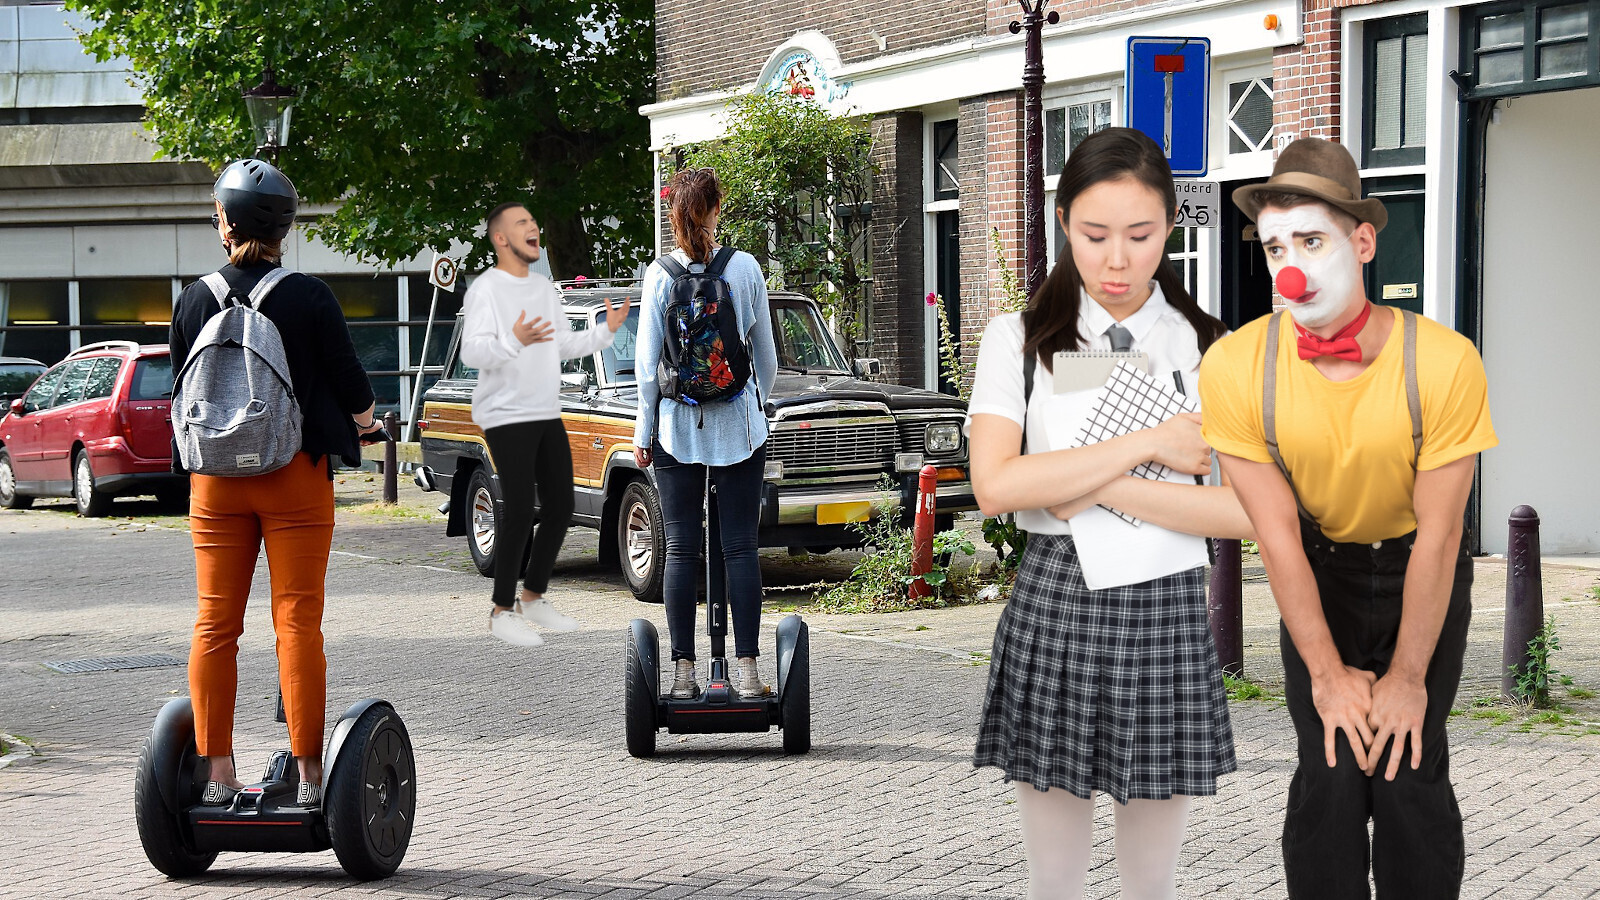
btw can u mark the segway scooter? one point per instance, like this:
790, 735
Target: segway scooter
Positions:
369, 797
718, 709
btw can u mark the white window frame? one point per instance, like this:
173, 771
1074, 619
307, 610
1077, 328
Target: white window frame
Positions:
931, 208
1063, 98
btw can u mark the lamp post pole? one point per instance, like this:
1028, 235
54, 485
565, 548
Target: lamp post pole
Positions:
1034, 18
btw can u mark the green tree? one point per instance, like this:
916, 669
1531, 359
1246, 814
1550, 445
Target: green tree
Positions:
417, 116
798, 185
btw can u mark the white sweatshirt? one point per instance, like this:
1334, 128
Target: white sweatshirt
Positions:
518, 383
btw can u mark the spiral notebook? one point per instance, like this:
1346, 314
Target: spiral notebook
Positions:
1085, 370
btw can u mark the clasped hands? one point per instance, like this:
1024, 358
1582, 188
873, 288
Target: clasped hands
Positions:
1371, 711
1175, 443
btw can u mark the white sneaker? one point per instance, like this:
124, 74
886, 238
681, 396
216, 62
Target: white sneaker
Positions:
308, 795
542, 613
749, 683
512, 628
684, 684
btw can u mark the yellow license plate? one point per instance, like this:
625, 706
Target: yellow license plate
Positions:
840, 513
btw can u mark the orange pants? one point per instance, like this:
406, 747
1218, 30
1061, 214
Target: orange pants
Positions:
291, 510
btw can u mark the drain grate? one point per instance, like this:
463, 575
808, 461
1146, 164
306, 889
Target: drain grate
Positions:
113, 663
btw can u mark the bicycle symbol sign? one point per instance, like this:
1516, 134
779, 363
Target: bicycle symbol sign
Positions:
1199, 203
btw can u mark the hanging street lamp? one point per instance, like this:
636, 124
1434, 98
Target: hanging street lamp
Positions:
270, 105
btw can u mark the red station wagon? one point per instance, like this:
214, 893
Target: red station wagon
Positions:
96, 425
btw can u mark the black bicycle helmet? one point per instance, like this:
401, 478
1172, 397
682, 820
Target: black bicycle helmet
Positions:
259, 200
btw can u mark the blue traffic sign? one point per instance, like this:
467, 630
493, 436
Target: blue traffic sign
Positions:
1168, 86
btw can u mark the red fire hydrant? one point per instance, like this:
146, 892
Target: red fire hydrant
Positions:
922, 532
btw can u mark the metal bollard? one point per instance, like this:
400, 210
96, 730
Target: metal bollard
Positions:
1524, 595
391, 466
922, 532
1225, 606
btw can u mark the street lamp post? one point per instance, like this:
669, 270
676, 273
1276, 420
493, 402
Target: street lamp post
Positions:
1034, 18
270, 105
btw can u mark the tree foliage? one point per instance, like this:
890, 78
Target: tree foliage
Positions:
798, 186
417, 116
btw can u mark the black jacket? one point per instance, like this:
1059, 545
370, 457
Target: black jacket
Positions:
328, 380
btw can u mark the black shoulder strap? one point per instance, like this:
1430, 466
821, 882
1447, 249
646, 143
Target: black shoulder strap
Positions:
720, 261
672, 267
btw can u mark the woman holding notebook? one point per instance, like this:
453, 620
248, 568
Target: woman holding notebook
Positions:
1115, 690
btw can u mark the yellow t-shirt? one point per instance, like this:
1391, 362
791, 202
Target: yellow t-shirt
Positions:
1347, 444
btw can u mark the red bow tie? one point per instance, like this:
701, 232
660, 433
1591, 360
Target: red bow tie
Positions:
1342, 345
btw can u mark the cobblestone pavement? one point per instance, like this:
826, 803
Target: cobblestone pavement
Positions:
525, 789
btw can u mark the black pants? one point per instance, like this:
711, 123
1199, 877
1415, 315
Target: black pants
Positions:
530, 455
682, 487
1417, 849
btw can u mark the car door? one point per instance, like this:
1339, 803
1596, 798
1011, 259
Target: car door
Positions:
24, 441
148, 407
57, 430
576, 401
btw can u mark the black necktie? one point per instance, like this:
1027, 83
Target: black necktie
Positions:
1121, 338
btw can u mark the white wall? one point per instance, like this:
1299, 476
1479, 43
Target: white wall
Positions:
1541, 317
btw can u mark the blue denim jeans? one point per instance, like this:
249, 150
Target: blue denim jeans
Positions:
738, 498
1417, 849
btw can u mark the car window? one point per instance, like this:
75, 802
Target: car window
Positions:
618, 358
74, 382
44, 390
152, 379
581, 363
14, 379
802, 340
102, 378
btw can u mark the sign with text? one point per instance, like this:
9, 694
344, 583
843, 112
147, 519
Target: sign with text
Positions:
1168, 86
1199, 203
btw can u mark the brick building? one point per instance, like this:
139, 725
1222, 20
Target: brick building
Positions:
1474, 121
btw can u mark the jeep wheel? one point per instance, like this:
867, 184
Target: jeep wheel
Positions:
9, 498
481, 497
641, 541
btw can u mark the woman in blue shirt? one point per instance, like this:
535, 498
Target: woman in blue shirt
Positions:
727, 437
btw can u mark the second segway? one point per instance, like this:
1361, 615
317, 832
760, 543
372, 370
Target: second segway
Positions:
719, 707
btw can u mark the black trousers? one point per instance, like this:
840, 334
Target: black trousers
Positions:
683, 489
533, 459
1417, 850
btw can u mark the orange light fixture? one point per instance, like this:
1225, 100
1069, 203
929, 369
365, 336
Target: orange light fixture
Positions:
1270, 22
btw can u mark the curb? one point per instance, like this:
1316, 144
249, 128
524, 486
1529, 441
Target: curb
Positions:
20, 750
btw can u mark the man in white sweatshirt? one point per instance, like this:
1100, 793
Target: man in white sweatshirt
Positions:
516, 336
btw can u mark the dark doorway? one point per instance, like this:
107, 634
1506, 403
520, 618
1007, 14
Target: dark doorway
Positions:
1395, 276
1246, 283
947, 280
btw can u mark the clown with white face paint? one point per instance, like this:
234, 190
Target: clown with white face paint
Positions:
1353, 453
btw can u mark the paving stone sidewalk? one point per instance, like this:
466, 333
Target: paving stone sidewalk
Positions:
525, 789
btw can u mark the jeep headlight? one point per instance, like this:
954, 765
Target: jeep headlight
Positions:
944, 437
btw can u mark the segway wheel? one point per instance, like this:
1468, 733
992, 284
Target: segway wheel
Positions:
371, 795
170, 746
639, 703
795, 701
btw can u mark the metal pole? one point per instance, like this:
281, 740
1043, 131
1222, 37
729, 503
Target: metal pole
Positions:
1225, 607
1524, 595
1033, 22
391, 466
422, 369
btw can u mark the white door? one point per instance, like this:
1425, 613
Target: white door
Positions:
1541, 319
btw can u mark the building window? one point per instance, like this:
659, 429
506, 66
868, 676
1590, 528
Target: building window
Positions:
1184, 251
35, 319
1065, 127
371, 310
946, 161
1396, 90
124, 309
1250, 115
1517, 48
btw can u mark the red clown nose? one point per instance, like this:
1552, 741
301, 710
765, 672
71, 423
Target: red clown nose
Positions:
1291, 282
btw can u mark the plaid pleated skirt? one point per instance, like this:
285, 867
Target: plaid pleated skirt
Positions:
1116, 690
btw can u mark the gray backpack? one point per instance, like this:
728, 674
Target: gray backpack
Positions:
234, 412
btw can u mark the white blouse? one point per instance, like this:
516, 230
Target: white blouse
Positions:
1157, 329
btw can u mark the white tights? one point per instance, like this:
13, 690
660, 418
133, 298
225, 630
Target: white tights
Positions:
1056, 836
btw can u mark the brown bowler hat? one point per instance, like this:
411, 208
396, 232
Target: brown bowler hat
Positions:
1320, 169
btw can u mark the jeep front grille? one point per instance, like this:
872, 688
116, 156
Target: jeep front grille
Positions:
834, 445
